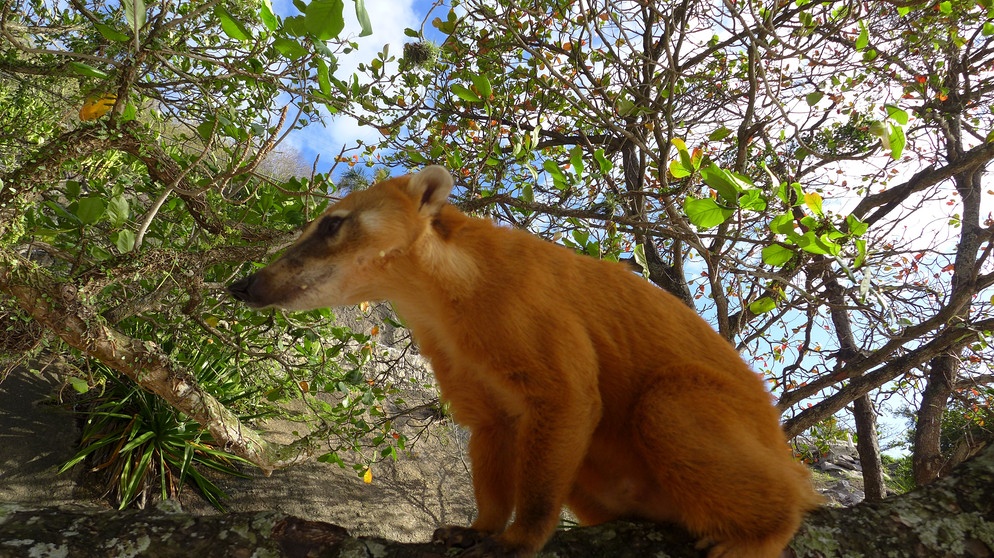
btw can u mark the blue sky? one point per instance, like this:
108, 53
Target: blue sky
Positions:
389, 18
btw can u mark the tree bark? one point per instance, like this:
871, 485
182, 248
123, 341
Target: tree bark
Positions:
926, 459
868, 447
951, 518
867, 444
927, 452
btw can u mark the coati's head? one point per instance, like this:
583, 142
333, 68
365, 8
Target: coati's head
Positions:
341, 256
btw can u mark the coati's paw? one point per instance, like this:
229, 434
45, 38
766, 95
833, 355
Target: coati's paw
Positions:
478, 544
492, 548
750, 549
454, 536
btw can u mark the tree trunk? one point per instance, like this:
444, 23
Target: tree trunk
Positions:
867, 443
868, 446
951, 518
926, 459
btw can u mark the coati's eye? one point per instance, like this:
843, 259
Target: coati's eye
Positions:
329, 225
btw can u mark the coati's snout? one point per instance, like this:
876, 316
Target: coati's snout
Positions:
256, 290
299, 280
242, 290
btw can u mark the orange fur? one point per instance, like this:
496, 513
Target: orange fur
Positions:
582, 384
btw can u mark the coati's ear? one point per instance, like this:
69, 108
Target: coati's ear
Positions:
431, 188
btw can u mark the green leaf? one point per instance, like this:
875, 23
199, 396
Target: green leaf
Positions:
946, 7
527, 193
558, 178
833, 248
678, 170
267, 16
111, 34
686, 159
988, 29
639, 254
728, 184
790, 198
98, 253
626, 106
576, 160
129, 114
324, 77
324, 19
776, 255
812, 243
856, 226
465, 93
482, 85
897, 141
118, 211
706, 213
762, 305
720, 134
864, 36
898, 114
454, 159
860, 252
138, 441
231, 26
813, 97
753, 200
332, 458
89, 210
289, 48
124, 240
79, 384
783, 224
73, 188
363, 16
87, 70
603, 162
295, 26
205, 128
135, 14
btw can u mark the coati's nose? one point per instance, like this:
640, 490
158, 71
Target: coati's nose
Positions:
240, 288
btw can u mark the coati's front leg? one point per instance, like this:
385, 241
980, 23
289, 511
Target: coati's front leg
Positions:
528, 469
492, 454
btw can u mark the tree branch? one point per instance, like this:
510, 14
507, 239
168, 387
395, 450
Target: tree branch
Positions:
57, 306
953, 518
888, 200
951, 338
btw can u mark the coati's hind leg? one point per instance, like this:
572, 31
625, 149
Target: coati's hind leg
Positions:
714, 446
587, 508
